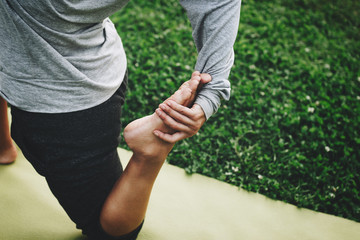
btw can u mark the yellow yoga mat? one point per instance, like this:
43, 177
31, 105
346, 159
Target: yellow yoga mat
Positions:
181, 207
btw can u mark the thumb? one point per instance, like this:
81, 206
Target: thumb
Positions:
205, 78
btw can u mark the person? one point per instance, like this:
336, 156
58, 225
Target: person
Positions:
63, 70
8, 151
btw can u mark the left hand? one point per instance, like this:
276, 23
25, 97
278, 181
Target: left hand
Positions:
185, 121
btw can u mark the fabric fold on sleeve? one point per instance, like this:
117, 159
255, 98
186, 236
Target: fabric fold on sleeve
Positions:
215, 25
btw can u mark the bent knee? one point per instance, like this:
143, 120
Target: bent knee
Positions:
117, 224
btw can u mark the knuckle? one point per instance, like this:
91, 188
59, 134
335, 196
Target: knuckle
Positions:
194, 129
172, 124
182, 111
165, 138
164, 117
169, 111
168, 122
197, 116
196, 78
192, 133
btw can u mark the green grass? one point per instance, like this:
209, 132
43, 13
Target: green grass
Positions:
291, 130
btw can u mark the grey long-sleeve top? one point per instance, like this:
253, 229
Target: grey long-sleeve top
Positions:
64, 56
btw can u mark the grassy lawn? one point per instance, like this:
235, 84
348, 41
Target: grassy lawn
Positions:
291, 130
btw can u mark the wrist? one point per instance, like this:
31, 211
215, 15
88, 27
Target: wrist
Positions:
199, 111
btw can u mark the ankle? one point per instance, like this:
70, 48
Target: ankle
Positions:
8, 154
7, 145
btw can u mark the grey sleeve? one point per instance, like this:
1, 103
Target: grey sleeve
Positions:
215, 24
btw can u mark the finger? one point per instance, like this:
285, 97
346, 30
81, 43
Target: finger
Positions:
196, 73
183, 110
171, 138
170, 122
188, 91
180, 109
193, 83
196, 78
176, 115
205, 78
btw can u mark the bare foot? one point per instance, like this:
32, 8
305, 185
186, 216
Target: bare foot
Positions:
126, 205
139, 133
140, 138
8, 155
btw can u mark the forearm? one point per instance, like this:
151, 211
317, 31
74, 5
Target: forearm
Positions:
215, 25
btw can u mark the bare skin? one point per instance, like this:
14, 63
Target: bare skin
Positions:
141, 130
8, 151
125, 207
